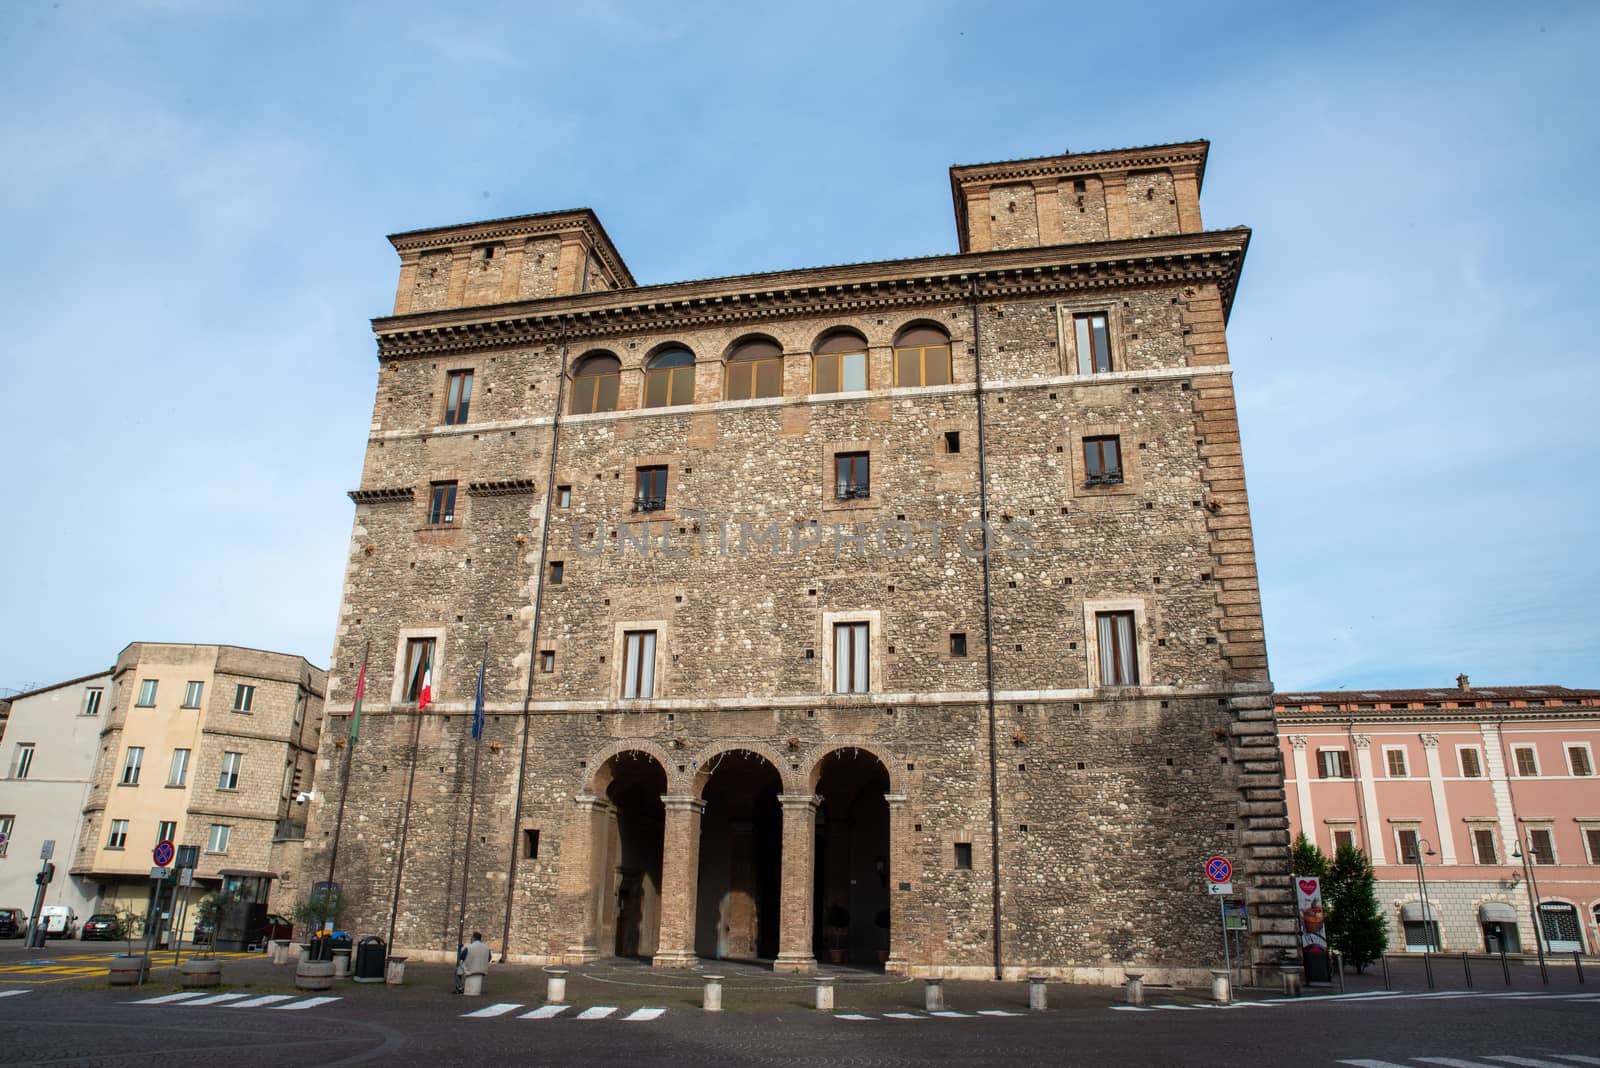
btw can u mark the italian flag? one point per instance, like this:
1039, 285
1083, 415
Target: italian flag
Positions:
425, 695
355, 713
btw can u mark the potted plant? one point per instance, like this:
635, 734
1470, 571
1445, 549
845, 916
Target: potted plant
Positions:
129, 969
837, 921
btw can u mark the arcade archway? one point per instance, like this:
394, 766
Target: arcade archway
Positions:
850, 897
740, 858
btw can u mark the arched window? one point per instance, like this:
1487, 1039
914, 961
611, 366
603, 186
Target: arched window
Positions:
669, 378
594, 384
922, 357
755, 369
840, 363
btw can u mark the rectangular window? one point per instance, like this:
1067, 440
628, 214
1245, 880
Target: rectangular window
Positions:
958, 644
217, 840
228, 778
922, 365
952, 441
839, 372
530, 843
178, 774
558, 571
1578, 760
7, 826
1094, 343
851, 663
442, 504
1471, 763
191, 694
147, 693
1102, 461
1527, 760
852, 475
457, 397
131, 764
1341, 839
118, 836
639, 664
1542, 845
964, 856
547, 661
1119, 649
24, 761
91, 701
419, 663
1406, 839
167, 831
1333, 764
751, 379
1483, 846
243, 697
1591, 838
1395, 762
650, 489
563, 496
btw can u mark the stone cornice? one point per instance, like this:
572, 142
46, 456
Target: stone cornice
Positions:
378, 496
549, 223
1122, 159
1213, 256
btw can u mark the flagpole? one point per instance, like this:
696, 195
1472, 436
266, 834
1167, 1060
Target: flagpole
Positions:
405, 815
344, 786
472, 794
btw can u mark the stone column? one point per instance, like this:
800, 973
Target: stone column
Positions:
795, 953
900, 846
1302, 786
595, 816
1369, 799
1441, 805
680, 881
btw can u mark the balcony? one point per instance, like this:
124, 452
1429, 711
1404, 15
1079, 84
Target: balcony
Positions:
851, 491
649, 504
1105, 478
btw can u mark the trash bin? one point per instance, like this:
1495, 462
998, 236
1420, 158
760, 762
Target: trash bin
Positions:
371, 953
321, 948
341, 947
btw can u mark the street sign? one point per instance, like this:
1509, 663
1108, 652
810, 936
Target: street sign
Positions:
48, 849
163, 853
159, 873
1221, 889
1233, 916
1218, 870
185, 876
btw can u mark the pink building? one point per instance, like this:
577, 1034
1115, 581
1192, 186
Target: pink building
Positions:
1474, 782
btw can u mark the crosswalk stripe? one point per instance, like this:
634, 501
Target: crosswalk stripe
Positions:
950, 1014
1577, 1058
1451, 1062
217, 999
499, 1009
599, 1012
1523, 1062
265, 999
11, 993
308, 1003
640, 1015
545, 1012
850, 1016
166, 999
997, 1012
904, 1016
1373, 1064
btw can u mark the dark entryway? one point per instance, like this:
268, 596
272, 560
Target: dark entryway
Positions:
851, 895
630, 904
741, 859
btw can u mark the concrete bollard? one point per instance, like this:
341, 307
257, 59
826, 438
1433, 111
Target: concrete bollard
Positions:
824, 993
711, 999
555, 987
1134, 987
933, 995
1221, 986
1036, 994
472, 985
1293, 979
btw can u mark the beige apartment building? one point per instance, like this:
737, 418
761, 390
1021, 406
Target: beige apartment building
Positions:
206, 745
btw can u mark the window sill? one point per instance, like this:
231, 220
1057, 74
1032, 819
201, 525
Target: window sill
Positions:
134, 783
115, 849
192, 708
140, 704
177, 786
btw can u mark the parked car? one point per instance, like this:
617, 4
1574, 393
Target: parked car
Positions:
277, 927
58, 921
13, 923
102, 926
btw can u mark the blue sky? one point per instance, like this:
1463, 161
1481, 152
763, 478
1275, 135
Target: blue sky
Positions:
195, 195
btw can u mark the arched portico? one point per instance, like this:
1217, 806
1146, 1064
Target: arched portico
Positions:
851, 920
623, 809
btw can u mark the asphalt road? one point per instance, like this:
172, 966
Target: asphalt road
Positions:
263, 1021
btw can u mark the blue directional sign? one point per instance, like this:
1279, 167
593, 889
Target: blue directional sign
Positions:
163, 854
1218, 870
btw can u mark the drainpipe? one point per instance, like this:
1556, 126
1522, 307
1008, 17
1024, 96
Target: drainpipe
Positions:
533, 641
988, 643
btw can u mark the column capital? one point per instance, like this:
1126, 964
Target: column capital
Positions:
1430, 741
592, 802
1362, 741
683, 802
799, 801
1297, 740
895, 800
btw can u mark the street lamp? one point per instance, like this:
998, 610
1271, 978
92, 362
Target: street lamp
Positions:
1533, 901
1425, 848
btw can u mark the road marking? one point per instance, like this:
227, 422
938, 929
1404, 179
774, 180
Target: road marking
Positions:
499, 1009
308, 1003
904, 1016
1577, 1058
997, 1012
1524, 1062
599, 1012
12, 993
641, 1015
217, 999
166, 999
265, 999
1451, 1062
951, 1015
545, 1012
1373, 1064
850, 1016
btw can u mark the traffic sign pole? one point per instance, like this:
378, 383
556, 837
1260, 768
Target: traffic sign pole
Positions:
1219, 872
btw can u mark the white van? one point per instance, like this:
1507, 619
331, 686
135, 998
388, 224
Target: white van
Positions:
58, 921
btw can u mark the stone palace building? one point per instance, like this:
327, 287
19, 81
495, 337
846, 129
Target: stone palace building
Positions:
900, 612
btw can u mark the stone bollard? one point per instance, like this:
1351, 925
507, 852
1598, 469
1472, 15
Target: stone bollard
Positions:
394, 971
1293, 979
1135, 987
933, 995
824, 993
1221, 986
472, 985
711, 999
555, 988
1036, 994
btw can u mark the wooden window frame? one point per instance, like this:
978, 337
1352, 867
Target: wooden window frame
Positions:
1117, 616
416, 668
458, 396
1094, 455
858, 663
858, 484
672, 377
586, 390
1400, 834
1582, 748
1477, 834
958, 644
644, 501
1344, 763
755, 364
633, 648
1534, 853
1390, 752
1533, 759
442, 503
547, 661
923, 352
1094, 355
1477, 761
838, 358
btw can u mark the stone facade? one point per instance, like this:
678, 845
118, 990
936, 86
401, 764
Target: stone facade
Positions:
979, 799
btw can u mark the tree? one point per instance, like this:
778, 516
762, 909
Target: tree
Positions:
320, 910
1307, 859
1355, 923
132, 924
211, 912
